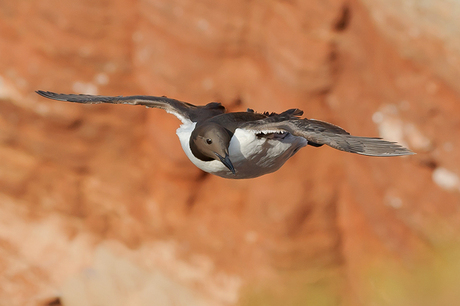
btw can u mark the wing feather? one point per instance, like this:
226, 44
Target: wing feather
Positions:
320, 132
181, 110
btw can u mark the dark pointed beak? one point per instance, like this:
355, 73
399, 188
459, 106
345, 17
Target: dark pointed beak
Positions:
226, 161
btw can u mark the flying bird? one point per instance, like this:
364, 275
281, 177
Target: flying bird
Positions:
243, 145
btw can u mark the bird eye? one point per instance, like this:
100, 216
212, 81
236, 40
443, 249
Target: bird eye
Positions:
208, 141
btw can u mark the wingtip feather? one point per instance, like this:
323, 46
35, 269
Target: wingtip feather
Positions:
48, 94
381, 148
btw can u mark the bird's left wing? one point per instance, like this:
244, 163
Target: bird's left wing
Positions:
181, 110
320, 132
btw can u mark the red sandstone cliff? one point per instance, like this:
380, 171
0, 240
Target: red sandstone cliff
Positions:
98, 204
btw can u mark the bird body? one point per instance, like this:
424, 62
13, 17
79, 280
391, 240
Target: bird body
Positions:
253, 156
243, 145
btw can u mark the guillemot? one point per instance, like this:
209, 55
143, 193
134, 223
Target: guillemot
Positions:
242, 145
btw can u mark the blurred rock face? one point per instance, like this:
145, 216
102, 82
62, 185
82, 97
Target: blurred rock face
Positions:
425, 32
100, 206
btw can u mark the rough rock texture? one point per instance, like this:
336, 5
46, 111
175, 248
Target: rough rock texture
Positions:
99, 205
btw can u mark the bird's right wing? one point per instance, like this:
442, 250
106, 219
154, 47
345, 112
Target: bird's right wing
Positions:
320, 132
182, 110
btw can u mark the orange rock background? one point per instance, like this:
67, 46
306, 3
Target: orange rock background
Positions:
100, 206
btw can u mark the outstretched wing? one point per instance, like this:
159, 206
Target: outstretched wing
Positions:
182, 110
319, 133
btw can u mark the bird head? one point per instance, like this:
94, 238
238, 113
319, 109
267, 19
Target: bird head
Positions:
210, 141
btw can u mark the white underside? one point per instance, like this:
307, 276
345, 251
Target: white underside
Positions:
251, 156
